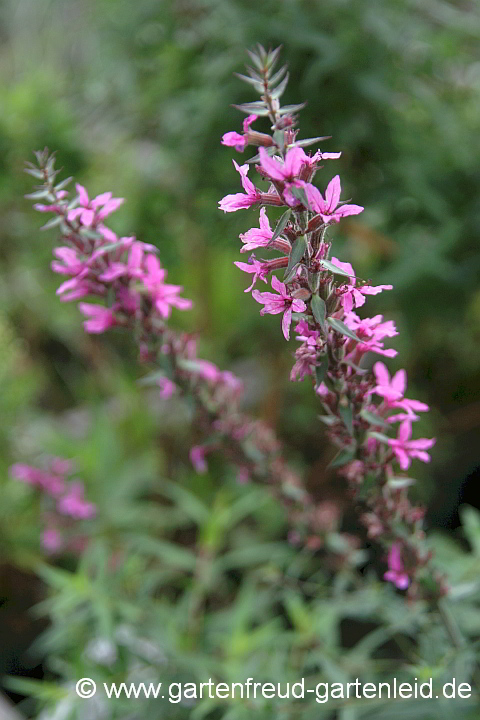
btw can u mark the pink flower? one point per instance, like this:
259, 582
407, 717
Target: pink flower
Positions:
52, 540
74, 503
396, 572
164, 296
261, 237
26, 473
406, 449
208, 371
167, 387
70, 265
101, 318
197, 458
89, 211
74, 289
239, 142
274, 304
371, 331
392, 392
51, 481
133, 267
231, 203
287, 171
327, 208
353, 296
257, 267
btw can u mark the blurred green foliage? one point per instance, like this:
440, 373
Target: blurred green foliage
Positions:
135, 97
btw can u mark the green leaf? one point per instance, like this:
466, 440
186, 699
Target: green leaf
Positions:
255, 59
333, 268
281, 225
400, 482
321, 370
319, 310
278, 92
310, 141
328, 419
346, 413
270, 151
40, 194
373, 419
300, 194
341, 328
151, 378
343, 457
278, 76
255, 108
252, 81
297, 252
379, 436
288, 109
54, 222
38, 174
63, 184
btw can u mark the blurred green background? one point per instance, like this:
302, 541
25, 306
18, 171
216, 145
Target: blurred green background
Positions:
134, 97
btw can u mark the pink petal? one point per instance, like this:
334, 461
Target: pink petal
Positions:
332, 194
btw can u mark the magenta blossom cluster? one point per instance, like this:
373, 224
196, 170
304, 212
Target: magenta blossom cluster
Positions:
323, 294
64, 502
126, 276
125, 265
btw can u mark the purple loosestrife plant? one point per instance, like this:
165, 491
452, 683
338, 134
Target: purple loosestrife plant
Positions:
121, 284
321, 293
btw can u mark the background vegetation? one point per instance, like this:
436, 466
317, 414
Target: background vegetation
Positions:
135, 96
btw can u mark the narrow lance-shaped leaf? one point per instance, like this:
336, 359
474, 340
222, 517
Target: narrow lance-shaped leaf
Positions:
301, 195
256, 83
281, 225
255, 108
341, 328
288, 109
343, 457
255, 59
321, 370
333, 268
280, 89
310, 141
373, 419
319, 310
398, 483
297, 253
346, 413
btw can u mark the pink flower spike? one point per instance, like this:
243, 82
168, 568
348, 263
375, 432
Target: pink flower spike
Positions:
406, 449
275, 304
396, 572
101, 318
197, 458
